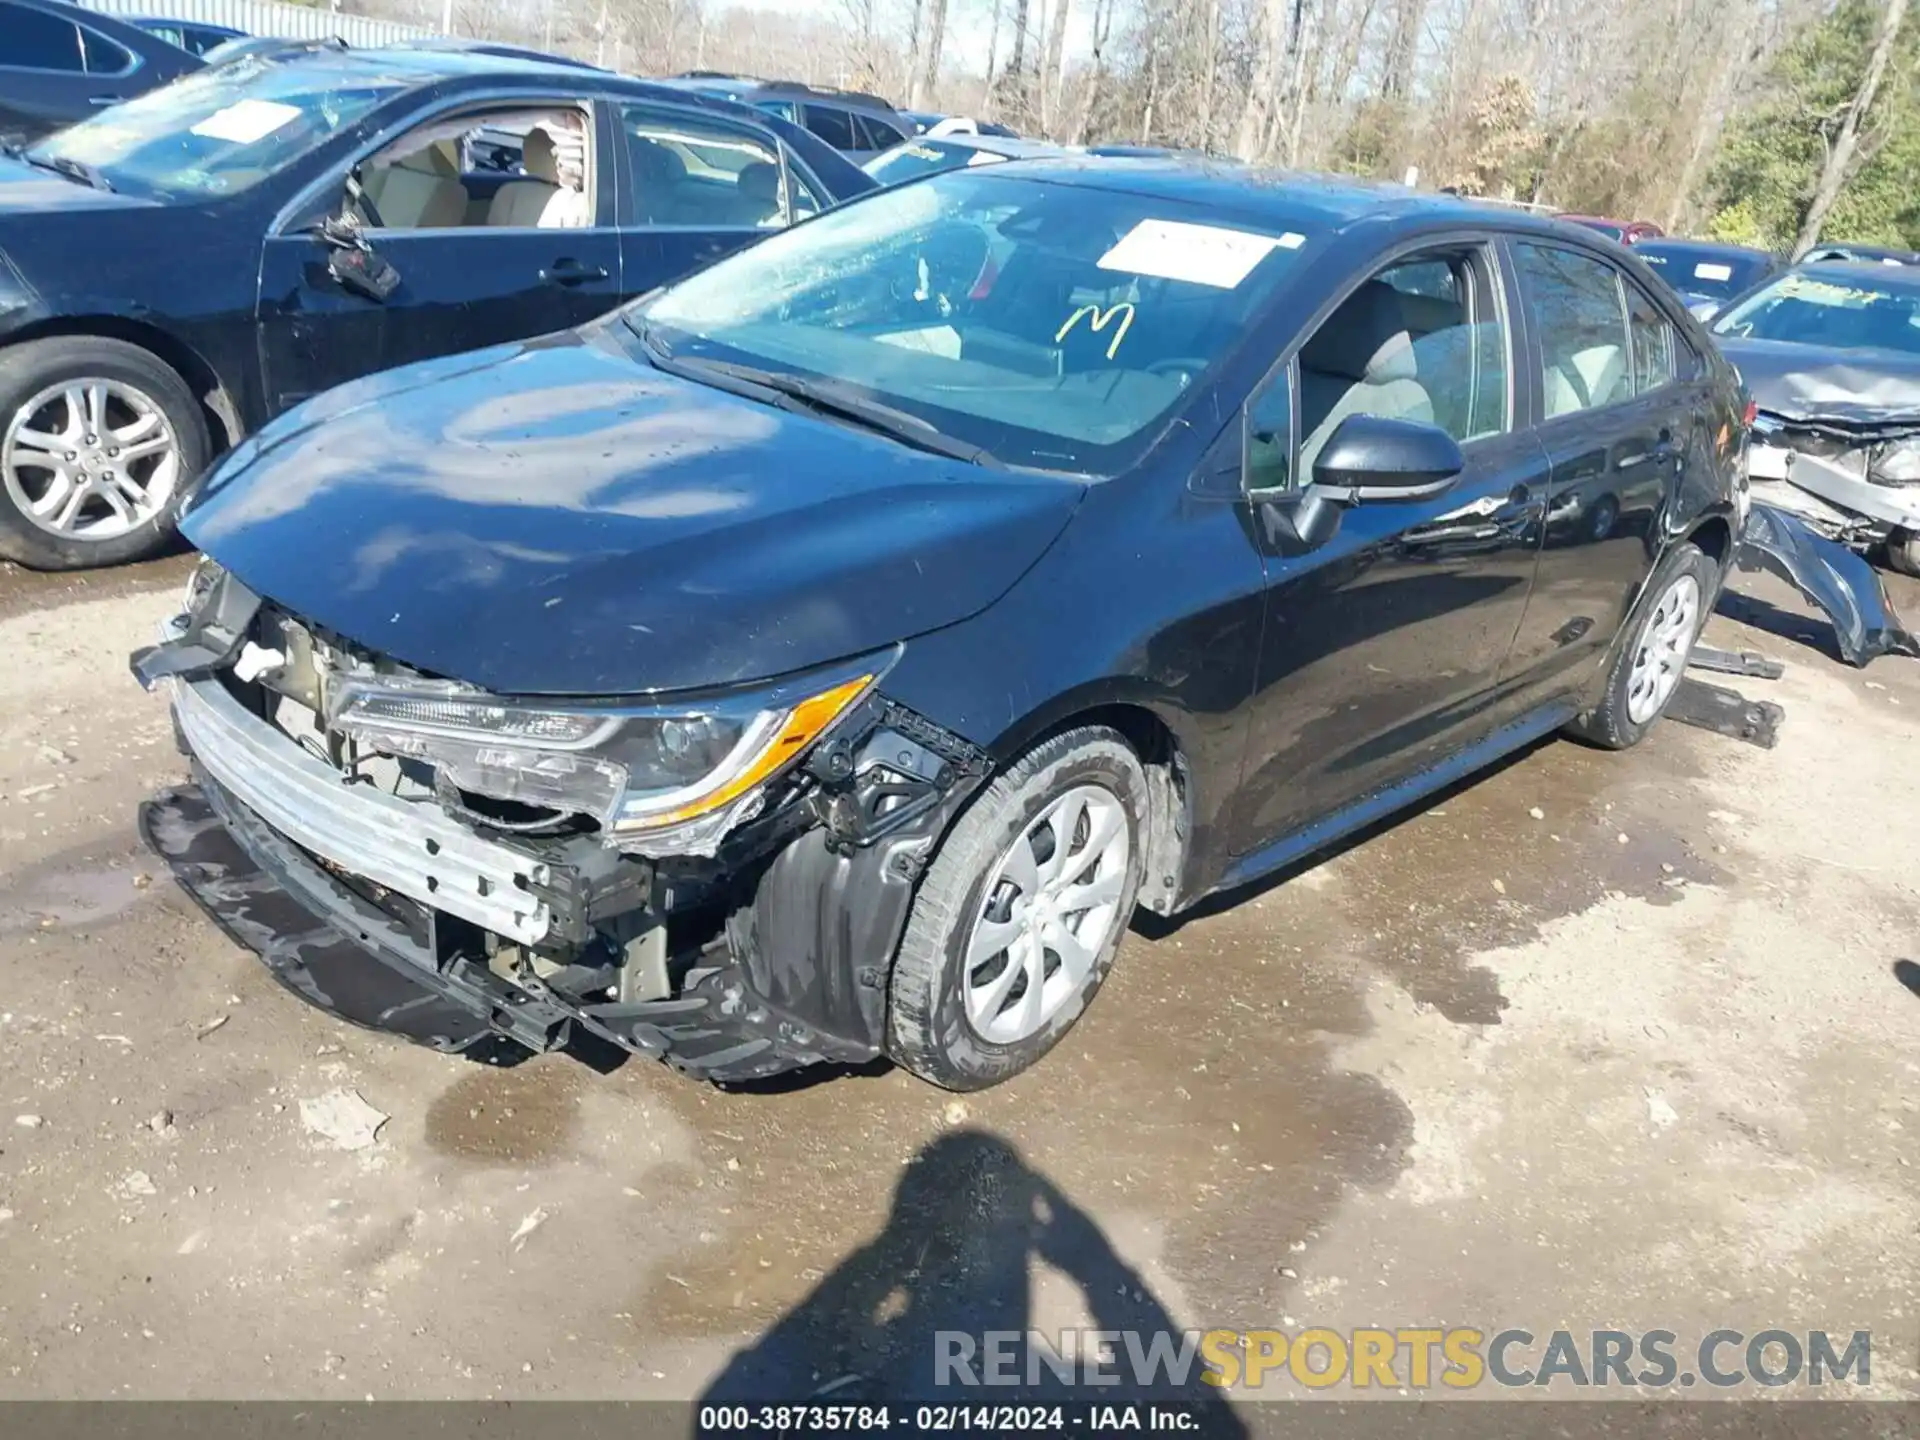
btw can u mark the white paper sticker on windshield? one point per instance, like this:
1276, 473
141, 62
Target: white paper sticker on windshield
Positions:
246, 121
1713, 272
1198, 254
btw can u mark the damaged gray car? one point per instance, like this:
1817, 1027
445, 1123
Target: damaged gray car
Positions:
1830, 354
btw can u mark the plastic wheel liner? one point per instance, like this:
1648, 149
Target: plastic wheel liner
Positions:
1830, 575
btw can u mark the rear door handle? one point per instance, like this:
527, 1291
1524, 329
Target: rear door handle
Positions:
571, 272
104, 99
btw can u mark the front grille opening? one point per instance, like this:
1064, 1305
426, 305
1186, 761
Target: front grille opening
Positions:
514, 816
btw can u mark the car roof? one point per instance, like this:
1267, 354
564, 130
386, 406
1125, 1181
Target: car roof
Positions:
1278, 197
145, 20
1014, 147
497, 50
731, 86
1901, 279
429, 63
1681, 245
1881, 253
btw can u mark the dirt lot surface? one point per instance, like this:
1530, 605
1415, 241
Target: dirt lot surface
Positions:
1625, 1041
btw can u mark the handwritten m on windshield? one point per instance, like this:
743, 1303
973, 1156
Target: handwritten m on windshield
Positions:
1098, 320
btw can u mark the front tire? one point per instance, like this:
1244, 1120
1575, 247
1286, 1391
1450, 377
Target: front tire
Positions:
1652, 660
1019, 917
99, 442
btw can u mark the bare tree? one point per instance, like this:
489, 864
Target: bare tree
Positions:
1841, 148
1053, 59
930, 26
1268, 58
1096, 71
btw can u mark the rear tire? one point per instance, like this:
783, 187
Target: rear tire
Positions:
1017, 922
1651, 660
1903, 552
100, 442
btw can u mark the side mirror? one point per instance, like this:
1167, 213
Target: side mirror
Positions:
1370, 460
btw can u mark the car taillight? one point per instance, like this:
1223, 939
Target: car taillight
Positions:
1751, 413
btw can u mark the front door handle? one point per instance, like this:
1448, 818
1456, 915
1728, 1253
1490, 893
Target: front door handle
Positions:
569, 273
104, 99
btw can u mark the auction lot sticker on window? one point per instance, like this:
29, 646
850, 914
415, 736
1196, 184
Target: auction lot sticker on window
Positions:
1713, 272
1199, 254
246, 121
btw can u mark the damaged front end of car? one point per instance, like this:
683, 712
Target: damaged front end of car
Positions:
717, 880
1856, 481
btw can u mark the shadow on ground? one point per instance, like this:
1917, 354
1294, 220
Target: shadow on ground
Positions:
955, 1261
1908, 974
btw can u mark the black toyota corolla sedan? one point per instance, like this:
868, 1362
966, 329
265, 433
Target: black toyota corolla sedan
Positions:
182, 267
820, 659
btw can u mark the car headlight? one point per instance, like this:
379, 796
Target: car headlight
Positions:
665, 779
1897, 462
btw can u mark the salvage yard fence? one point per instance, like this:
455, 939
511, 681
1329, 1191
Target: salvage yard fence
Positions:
265, 17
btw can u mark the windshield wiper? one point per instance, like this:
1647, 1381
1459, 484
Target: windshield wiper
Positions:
76, 170
820, 397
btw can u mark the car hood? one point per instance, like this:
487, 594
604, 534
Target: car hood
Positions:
558, 517
1820, 385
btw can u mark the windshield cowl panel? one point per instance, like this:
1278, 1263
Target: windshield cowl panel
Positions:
1048, 326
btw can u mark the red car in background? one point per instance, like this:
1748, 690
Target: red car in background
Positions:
1627, 232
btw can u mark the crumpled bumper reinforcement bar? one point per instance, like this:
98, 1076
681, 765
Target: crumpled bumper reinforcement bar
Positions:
413, 849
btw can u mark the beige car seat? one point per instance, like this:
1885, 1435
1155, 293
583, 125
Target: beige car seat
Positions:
1586, 379
521, 203
419, 191
1360, 362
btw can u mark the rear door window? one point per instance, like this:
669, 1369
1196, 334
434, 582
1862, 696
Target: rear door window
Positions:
1579, 313
833, 125
1653, 343
36, 40
697, 171
103, 56
875, 134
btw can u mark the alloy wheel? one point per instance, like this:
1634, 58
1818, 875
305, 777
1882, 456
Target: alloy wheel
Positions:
1660, 656
1050, 906
90, 459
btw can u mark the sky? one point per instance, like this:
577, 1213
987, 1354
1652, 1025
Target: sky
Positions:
968, 24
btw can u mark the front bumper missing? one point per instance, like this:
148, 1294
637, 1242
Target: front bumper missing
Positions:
1833, 577
309, 957
335, 949
412, 848
1838, 493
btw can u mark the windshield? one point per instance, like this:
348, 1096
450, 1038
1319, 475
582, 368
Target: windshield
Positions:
1718, 274
925, 157
1052, 326
1845, 314
220, 131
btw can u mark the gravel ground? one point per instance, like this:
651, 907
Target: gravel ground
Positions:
1624, 1041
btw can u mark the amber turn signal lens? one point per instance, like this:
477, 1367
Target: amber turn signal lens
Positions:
803, 725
